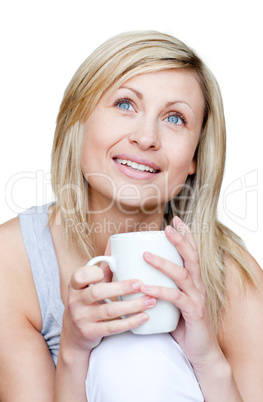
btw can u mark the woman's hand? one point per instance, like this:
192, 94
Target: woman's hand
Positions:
194, 333
87, 319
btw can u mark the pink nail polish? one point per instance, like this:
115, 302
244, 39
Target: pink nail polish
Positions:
171, 230
136, 285
143, 317
150, 302
149, 256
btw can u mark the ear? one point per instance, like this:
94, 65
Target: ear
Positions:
192, 167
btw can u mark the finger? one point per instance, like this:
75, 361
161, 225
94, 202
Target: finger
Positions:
107, 328
110, 311
191, 308
181, 227
187, 251
178, 274
102, 291
84, 276
171, 295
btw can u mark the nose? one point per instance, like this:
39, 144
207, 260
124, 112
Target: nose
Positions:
146, 135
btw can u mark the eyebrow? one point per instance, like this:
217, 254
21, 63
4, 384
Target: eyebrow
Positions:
137, 93
168, 104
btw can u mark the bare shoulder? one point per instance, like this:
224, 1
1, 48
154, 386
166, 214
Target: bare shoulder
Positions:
16, 281
243, 293
233, 280
12, 248
242, 326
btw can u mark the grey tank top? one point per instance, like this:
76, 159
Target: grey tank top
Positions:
42, 257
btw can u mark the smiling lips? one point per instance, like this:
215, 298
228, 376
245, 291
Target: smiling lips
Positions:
137, 166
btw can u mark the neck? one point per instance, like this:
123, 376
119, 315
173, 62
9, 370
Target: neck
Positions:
114, 221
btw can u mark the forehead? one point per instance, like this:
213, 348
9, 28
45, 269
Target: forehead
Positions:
170, 82
173, 74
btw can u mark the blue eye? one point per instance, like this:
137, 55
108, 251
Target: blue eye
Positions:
124, 104
175, 119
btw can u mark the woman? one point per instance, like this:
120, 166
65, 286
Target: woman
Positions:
139, 145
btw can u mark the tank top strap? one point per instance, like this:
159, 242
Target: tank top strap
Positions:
42, 257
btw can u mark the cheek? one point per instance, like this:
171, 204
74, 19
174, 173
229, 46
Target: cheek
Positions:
92, 145
181, 164
86, 155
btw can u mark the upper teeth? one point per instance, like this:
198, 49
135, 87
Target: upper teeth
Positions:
135, 165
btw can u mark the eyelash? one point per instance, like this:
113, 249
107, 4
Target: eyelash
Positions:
128, 100
180, 115
122, 100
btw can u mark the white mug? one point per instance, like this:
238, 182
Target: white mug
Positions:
127, 262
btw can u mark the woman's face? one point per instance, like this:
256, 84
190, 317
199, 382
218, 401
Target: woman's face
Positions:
139, 141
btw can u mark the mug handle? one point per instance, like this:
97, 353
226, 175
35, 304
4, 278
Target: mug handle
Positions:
103, 258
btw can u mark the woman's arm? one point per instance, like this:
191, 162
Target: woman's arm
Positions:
27, 371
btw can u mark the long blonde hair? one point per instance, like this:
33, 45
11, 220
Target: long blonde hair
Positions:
114, 62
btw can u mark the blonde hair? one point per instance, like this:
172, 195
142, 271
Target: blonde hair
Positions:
114, 62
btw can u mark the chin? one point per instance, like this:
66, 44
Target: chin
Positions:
133, 207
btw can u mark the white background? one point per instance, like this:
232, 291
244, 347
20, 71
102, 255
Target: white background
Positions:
43, 43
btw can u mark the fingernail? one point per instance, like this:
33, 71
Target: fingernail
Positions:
143, 317
149, 256
171, 230
136, 285
150, 301
180, 225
